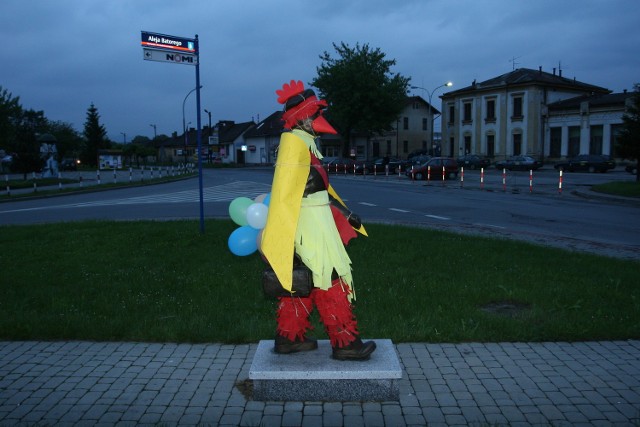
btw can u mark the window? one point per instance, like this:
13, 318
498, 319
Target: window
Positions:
574, 141
424, 124
517, 107
452, 114
517, 144
388, 146
405, 123
556, 142
491, 110
467, 144
595, 140
376, 149
405, 147
466, 118
491, 145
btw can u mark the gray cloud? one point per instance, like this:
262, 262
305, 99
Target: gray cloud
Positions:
60, 56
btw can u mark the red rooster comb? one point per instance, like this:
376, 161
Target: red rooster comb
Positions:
289, 90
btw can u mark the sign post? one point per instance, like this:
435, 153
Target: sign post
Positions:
179, 50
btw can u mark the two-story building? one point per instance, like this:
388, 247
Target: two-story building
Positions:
410, 132
506, 115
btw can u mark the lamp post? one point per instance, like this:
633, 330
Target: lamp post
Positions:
431, 118
184, 126
124, 137
154, 131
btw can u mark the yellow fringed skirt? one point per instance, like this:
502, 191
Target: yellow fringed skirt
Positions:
318, 242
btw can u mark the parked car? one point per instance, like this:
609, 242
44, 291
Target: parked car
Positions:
632, 168
69, 164
473, 161
382, 166
523, 163
586, 162
436, 163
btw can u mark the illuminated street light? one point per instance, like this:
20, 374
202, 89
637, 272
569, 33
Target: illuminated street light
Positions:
431, 118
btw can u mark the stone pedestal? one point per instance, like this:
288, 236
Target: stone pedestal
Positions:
315, 376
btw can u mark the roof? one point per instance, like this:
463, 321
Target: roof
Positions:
528, 77
228, 132
599, 100
271, 126
411, 99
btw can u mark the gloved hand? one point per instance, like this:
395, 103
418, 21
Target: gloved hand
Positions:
354, 220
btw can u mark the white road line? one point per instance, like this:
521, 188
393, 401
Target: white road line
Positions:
219, 193
444, 218
367, 204
398, 210
490, 225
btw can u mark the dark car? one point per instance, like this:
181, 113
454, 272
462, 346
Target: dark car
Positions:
523, 163
433, 169
632, 168
587, 162
473, 161
69, 164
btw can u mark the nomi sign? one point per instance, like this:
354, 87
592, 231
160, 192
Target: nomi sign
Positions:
165, 42
167, 56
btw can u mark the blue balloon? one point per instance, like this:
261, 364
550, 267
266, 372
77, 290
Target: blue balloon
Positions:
243, 241
267, 199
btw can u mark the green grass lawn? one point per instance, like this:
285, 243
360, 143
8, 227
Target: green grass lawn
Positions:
619, 188
165, 282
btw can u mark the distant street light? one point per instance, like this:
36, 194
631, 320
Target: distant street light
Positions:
431, 118
184, 126
154, 131
124, 136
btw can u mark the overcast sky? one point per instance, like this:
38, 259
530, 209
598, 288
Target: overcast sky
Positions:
60, 56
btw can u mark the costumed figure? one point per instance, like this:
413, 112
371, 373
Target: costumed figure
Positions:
309, 223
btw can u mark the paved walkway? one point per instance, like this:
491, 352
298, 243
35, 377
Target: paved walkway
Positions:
88, 383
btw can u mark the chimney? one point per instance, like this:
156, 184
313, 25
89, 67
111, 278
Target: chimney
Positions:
554, 71
560, 72
540, 69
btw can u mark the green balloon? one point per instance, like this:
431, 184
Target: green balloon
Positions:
238, 210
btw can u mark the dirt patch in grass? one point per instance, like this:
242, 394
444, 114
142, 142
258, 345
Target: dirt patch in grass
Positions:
506, 308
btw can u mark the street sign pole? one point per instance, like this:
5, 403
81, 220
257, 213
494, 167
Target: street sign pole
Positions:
165, 48
199, 138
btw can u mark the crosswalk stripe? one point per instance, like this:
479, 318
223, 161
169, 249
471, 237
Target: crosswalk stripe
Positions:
218, 193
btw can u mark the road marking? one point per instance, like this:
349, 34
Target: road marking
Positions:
398, 210
367, 204
218, 193
444, 218
490, 225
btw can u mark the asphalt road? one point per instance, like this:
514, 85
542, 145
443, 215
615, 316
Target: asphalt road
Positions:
532, 208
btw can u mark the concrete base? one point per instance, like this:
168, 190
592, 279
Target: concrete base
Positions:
315, 376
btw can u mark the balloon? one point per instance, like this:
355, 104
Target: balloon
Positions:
257, 215
267, 199
260, 198
242, 241
238, 210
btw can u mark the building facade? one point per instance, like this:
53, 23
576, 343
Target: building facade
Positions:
585, 125
506, 115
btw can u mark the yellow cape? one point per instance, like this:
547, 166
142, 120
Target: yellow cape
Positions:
289, 180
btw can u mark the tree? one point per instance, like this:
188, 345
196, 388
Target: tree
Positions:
628, 144
95, 137
69, 143
360, 89
26, 145
10, 113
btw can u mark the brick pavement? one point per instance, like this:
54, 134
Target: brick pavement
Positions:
90, 383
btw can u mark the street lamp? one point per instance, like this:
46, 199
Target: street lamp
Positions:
431, 118
154, 131
124, 136
184, 126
